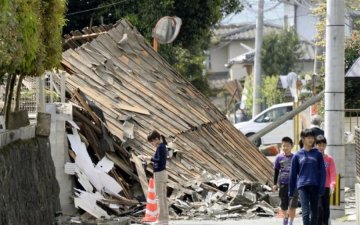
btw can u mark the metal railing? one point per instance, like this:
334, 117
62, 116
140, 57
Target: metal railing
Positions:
30, 96
352, 119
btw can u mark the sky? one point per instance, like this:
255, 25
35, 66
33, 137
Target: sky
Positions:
274, 12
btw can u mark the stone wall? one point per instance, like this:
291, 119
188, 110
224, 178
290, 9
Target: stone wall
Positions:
29, 192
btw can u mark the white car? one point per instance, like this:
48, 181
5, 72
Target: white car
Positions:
265, 118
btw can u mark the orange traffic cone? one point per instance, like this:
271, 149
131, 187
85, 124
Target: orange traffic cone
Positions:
151, 213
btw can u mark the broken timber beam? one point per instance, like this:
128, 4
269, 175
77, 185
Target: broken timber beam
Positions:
84, 119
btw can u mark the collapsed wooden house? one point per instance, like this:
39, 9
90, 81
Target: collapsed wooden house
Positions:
137, 92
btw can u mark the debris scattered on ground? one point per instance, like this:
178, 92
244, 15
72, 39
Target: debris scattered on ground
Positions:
111, 185
120, 89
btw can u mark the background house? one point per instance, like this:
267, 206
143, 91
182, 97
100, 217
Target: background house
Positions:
232, 57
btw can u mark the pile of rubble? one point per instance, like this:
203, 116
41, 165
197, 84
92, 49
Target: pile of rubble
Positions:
111, 181
121, 89
224, 199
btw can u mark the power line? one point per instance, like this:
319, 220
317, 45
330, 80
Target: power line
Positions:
99, 7
248, 6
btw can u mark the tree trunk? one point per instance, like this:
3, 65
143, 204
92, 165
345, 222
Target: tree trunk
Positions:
9, 94
6, 92
18, 93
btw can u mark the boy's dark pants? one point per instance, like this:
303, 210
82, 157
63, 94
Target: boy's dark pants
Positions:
285, 201
324, 208
309, 196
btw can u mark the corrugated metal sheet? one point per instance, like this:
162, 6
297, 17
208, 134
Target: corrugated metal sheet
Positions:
119, 70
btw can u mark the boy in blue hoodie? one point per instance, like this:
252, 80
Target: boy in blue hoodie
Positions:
308, 175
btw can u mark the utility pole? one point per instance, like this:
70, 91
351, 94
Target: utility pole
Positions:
334, 92
257, 64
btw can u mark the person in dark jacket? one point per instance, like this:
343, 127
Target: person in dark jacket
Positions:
308, 175
160, 175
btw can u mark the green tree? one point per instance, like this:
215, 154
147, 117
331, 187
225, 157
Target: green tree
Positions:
270, 91
32, 42
281, 53
248, 92
186, 54
352, 50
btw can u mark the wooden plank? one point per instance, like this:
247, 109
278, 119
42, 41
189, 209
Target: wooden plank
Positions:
141, 67
123, 166
84, 104
120, 181
141, 173
103, 102
136, 109
126, 78
137, 80
87, 201
94, 141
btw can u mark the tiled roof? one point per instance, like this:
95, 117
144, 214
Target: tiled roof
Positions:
242, 31
307, 48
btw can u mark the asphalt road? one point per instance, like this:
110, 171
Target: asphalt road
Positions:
262, 221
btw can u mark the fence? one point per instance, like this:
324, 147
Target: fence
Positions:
351, 119
36, 91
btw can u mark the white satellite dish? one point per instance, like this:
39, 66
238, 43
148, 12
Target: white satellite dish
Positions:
167, 29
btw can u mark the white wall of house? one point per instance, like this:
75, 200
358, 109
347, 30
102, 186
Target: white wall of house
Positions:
305, 23
238, 72
307, 67
289, 11
218, 58
235, 49
302, 19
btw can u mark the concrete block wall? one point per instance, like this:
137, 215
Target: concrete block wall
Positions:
59, 153
22, 133
350, 169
